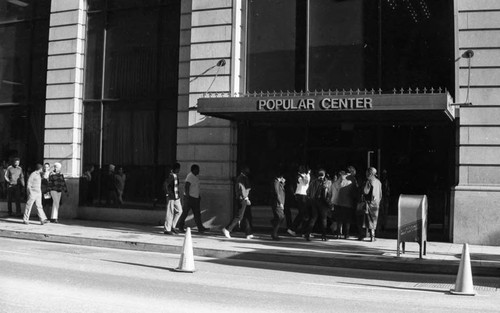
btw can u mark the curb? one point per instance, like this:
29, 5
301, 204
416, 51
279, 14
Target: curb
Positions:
382, 263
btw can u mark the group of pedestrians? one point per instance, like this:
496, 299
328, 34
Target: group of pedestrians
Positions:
339, 201
321, 201
175, 217
43, 188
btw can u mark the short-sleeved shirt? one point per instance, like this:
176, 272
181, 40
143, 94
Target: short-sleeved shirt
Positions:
194, 185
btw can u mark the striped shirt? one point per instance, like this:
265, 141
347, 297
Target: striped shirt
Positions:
172, 187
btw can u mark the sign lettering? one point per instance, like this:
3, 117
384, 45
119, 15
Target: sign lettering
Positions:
309, 104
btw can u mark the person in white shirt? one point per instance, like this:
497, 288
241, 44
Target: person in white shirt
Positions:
303, 179
192, 200
34, 191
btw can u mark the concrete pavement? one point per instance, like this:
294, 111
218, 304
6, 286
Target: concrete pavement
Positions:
442, 258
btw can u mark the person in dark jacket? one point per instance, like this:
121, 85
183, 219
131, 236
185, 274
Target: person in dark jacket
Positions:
318, 194
57, 185
278, 204
174, 207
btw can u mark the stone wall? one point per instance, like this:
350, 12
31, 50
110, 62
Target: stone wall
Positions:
476, 213
207, 36
63, 118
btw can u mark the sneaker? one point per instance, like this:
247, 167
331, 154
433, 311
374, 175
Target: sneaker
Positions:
250, 237
291, 232
202, 230
226, 233
44, 222
167, 232
26, 222
175, 231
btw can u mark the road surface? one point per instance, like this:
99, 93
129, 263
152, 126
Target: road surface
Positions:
48, 277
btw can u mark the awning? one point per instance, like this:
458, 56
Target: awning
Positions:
330, 105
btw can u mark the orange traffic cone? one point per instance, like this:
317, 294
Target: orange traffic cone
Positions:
186, 263
464, 285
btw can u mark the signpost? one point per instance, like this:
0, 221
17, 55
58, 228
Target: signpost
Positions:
412, 221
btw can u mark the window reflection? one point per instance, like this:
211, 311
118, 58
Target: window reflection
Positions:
139, 43
24, 29
352, 44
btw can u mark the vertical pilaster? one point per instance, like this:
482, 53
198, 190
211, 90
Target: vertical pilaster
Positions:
207, 37
63, 116
477, 197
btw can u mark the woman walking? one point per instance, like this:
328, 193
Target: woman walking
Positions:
57, 185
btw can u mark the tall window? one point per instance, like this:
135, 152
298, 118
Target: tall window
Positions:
329, 44
24, 31
130, 104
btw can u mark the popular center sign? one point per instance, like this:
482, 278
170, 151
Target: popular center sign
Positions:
310, 104
331, 103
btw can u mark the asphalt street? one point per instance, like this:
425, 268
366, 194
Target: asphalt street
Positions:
48, 277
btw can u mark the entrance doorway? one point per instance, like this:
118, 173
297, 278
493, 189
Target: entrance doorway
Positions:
417, 158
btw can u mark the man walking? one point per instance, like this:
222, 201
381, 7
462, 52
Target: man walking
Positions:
174, 207
15, 181
278, 204
34, 190
192, 200
244, 205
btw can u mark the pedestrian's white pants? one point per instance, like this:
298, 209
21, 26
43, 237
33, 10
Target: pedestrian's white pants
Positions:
56, 199
174, 211
35, 198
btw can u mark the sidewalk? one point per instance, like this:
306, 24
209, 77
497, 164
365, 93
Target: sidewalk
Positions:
441, 258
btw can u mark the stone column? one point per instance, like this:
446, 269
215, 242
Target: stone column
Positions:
207, 36
63, 116
476, 209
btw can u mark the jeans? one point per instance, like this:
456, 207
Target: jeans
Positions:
244, 214
278, 216
191, 203
318, 209
174, 211
14, 194
302, 215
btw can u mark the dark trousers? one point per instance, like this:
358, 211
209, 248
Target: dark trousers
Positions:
301, 218
278, 217
3, 190
244, 214
318, 209
193, 204
14, 194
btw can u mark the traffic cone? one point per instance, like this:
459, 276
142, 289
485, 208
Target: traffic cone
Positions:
464, 285
186, 263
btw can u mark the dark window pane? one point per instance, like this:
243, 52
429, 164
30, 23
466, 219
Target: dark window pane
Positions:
91, 133
121, 4
93, 61
15, 63
168, 61
339, 49
417, 44
271, 55
131, 54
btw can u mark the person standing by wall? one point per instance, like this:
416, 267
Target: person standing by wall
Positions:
119, 183
277, 204
34, 192
344, 204
243, 189
303, 179
57, 185
174, 207
372, 194
192, 200
15, 182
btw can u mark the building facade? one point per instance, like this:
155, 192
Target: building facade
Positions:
410, 87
